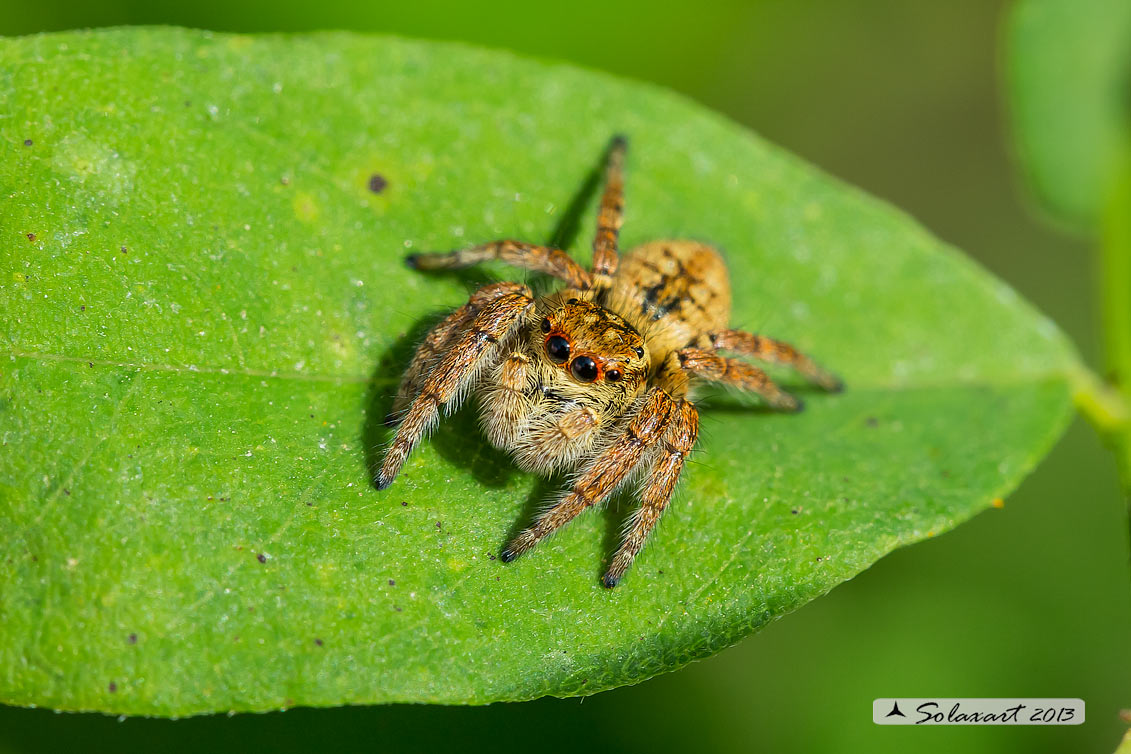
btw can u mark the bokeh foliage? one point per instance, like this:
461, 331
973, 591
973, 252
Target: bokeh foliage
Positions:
1068, 65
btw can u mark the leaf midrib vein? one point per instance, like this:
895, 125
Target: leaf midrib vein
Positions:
1063, 374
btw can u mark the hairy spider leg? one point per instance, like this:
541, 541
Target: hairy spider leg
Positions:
768, 349
434, 344
426, 354
447, 382
610, 216
527, 256
715, 368
667, 464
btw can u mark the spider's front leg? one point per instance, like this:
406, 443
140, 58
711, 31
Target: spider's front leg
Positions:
669, 457
601, 476
474, 342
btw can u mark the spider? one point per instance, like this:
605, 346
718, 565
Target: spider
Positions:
593, 379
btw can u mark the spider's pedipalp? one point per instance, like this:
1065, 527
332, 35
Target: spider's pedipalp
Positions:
504, 405
715, 368
658, 488
610, 216
602, 475
553, 262
446, 383
558, 439
768, 349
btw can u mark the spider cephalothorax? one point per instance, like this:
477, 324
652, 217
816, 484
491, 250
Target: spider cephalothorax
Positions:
595, 378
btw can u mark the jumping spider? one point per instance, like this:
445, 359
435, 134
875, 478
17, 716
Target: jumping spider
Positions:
594, 379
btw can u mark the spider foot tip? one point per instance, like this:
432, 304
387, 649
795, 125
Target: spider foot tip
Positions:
507, 555
609, 580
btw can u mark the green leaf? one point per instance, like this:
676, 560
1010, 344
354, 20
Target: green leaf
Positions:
206, 313
1068, 65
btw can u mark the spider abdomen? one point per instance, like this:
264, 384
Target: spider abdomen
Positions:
675, 291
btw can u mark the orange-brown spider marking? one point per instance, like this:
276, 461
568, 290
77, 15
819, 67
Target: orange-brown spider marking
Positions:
595, 379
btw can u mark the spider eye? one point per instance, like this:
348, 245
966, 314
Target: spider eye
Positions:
558, 349
639, 351
613, 375
546, 325
584, 368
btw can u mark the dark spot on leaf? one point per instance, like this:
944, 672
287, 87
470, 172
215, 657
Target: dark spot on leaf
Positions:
261, 558
439, 525
392, 583
397, 608
113, 687
90, 364
27, 142
123, 249
285, 181
404, 503
377, 183
132, 638
872, 421
318, 642
31, 236
82, 308
66, 491
794, 511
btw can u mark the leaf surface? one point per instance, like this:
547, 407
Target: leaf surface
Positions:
205, 313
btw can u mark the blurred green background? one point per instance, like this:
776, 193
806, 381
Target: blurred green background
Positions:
899, 97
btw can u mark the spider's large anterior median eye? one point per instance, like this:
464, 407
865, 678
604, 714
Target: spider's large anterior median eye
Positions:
584, 368
557, 348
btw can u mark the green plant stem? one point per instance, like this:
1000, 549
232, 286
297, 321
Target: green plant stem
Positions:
1109, 404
